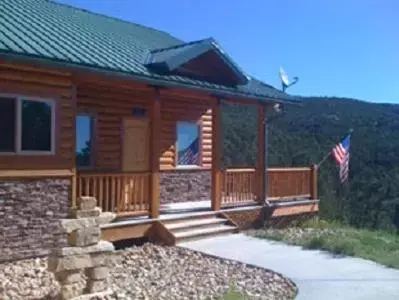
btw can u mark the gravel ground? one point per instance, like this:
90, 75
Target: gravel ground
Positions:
154, 272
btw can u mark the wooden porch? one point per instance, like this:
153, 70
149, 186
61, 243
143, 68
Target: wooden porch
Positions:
128, 194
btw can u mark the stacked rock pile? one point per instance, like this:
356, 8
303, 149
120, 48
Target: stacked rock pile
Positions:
82, 267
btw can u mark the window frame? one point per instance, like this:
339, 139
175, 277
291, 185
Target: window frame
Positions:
93, 138
199, 163
18, 125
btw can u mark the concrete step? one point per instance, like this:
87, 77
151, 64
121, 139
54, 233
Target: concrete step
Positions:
194, 223
197, 233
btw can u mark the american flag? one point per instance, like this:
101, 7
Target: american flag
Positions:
341, 156
189, 156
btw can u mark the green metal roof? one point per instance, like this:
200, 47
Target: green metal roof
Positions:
60, 33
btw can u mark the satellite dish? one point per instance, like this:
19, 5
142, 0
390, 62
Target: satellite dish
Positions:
285, 83
284, 77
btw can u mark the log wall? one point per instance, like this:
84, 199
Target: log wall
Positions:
50, 84
176, 107
109, 102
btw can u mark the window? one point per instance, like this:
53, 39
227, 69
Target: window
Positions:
139, 112
26, 125
84, 133
188, 144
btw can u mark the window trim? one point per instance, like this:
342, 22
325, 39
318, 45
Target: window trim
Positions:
18, 125
199, 163
93, 138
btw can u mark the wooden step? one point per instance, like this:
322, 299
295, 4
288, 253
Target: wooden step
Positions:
197, 233
186, 217
194, 223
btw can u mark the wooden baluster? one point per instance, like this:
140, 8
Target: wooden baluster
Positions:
106, 198
234, 186
113, 195
120, 194
135, 193
240, 194
251, 190
131, 194
225, 187
147, 184
245, 179
246, 187
117, 193
80, 186
124, 195
87, 186
94, 192
239, 187
100, 192
128, 196
229, 187
142, 195
127, 201
138, 192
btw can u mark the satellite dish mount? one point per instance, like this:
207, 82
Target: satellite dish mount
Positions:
285, 83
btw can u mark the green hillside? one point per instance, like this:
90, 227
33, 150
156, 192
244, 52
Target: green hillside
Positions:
308, 131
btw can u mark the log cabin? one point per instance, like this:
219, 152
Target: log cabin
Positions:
95, 106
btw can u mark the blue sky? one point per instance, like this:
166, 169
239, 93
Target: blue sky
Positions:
337, 48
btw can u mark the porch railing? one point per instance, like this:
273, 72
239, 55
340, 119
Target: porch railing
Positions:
289, 183
239, 185
123, 193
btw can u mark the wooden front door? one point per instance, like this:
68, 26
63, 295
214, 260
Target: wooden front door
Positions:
135, 145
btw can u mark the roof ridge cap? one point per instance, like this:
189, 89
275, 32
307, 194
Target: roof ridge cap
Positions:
107, 16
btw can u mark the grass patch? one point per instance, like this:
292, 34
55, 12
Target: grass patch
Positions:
379, 246
233, 294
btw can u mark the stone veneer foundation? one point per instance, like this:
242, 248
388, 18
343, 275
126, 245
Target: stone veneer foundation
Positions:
30, 211
185, 186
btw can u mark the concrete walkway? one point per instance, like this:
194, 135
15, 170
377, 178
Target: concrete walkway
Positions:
318, 275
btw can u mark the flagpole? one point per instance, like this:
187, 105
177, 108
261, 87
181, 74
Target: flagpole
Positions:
323, 159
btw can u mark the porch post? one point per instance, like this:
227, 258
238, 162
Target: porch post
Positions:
155, 119
261, 177
313, 182
216, 155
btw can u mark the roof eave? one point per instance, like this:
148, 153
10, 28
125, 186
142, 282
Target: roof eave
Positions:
12, 57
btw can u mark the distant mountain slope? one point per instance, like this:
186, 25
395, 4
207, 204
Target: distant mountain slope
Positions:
306, 133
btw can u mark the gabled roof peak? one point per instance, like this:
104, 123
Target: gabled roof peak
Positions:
168, 60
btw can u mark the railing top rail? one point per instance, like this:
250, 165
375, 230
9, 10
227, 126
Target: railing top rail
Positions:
288, 169
240, 170
99, 173
295, 169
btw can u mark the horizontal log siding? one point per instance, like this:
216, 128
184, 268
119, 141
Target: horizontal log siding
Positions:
109, 105
176, 108
37, 82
